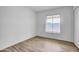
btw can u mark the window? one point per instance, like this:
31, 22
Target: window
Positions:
53, 24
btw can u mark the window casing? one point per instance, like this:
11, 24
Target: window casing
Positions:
53, 24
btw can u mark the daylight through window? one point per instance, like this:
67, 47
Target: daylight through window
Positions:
53, 24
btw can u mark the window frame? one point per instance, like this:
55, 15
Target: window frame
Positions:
52, 28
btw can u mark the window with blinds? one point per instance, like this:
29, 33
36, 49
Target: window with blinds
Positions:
53, 24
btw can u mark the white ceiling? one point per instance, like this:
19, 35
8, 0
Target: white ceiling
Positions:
42, 8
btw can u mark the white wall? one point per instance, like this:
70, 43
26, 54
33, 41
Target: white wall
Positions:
66, 23
16, 24
19, 23
76, 32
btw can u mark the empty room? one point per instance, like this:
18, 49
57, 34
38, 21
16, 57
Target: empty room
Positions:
39, 29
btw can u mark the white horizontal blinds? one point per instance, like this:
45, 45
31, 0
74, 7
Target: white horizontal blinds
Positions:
49, 24
56, 24
56, 18
53, 24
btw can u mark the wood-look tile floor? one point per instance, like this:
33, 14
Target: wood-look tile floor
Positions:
40, 44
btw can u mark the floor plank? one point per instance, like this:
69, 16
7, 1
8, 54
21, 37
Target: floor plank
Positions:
40, 44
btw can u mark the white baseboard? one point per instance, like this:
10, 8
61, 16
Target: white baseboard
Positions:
77, 45
26, 38
56, 38
14, 43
